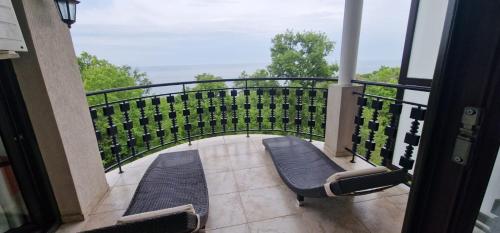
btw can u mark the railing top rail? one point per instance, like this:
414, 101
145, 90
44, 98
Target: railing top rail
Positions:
193, 91
207, 81
398, 86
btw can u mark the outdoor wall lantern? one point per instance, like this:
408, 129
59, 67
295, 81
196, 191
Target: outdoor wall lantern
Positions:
67, 10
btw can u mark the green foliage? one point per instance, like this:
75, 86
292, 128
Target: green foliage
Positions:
99, 74
301, 54
209, 85
384, 75
260, 73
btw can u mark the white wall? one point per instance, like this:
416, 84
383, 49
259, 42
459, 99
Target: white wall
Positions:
427, 38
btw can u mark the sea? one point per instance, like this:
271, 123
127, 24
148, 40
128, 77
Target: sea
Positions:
180, 73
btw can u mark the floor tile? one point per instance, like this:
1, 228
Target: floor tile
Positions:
397, 190
225, 210
213, 151
261, 204
287, 224
103, 219
209, 142
327, 215
252, 160
253, 178
399, 201
233, 229
240, 148
379, 215
131, 176
240, 138
324, 223
118, 198
213, 164
221, 183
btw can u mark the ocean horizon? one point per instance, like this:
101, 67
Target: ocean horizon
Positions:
180, 73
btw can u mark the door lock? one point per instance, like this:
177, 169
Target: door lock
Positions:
466, 136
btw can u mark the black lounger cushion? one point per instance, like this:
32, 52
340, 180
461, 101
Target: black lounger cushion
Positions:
305, 170
302, 166
173, 179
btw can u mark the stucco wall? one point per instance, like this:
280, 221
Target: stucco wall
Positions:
52, 89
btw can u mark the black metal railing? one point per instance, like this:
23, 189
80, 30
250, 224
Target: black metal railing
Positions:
377, 121
137, 122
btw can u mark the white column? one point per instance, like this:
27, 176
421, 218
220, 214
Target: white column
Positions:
353, 12
342, 106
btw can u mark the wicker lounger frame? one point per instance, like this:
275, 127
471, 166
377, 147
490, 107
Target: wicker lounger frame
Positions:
173, 179
304, 169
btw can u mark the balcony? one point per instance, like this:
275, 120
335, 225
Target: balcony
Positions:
227, 124
247, 195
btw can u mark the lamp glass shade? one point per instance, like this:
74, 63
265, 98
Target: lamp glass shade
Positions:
67, 10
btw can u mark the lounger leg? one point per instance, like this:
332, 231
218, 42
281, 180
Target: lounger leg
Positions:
300, 200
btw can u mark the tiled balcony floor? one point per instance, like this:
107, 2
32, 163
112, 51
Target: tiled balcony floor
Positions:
247, 195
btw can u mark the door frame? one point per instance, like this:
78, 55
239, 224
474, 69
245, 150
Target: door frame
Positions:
445, 196
24, 155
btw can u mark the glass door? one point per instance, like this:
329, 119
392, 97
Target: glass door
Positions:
27, 203
13, 212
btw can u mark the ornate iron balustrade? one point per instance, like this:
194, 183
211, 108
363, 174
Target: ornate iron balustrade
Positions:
379, 135
136, 123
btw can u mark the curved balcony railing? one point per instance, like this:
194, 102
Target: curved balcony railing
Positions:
132, 121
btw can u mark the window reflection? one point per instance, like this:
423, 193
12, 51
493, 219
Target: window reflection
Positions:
13, 213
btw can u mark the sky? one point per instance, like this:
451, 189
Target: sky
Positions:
203, 32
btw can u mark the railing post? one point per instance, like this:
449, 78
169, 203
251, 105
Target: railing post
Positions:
412, 138
144, 121
112, 132
98, 135
391, 131
272, 106
199, 110
373, 125
172, 114
128, 125
285, 106
158, 117
298, 111
234, 108
223, 109
211, 109
260, 106
246, 92
186, 113
312, 110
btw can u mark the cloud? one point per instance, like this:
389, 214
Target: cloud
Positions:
202, 31
184, 16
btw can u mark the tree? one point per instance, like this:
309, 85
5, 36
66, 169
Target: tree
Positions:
209, 85
99, 74
260, 73
384, 74
301, 54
